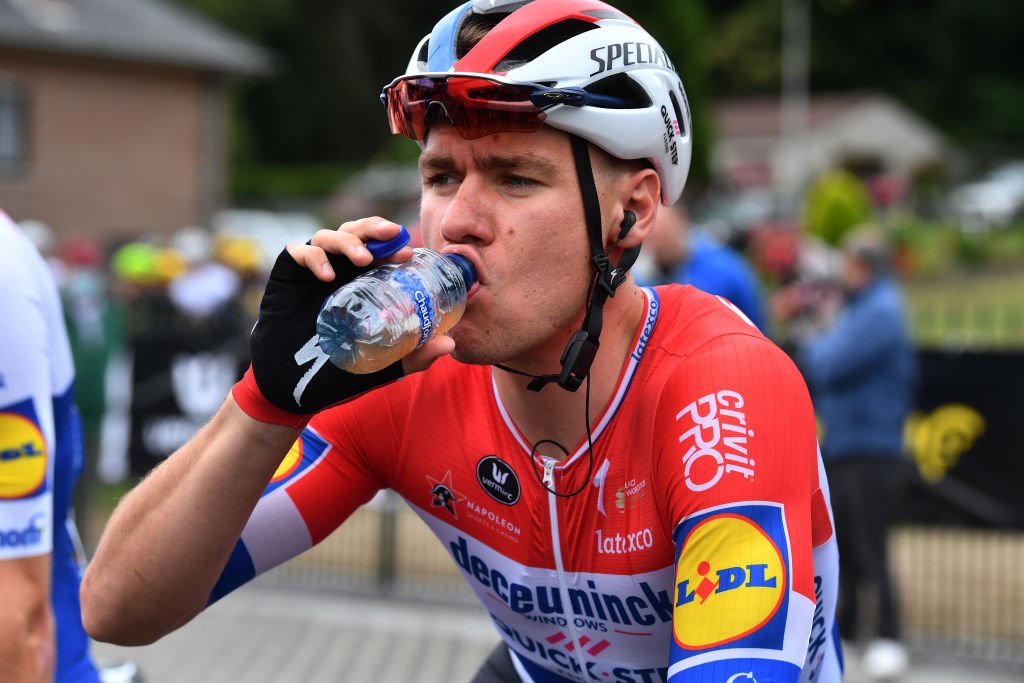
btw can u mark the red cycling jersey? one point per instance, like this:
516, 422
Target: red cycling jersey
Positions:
699, 546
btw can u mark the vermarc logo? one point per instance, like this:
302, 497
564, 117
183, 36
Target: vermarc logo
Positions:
498, 479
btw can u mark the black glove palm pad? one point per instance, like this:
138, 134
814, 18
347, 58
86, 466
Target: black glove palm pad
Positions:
290, 369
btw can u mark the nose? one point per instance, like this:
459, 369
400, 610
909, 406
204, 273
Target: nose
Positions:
466, 217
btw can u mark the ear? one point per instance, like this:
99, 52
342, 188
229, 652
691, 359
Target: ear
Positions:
641, 194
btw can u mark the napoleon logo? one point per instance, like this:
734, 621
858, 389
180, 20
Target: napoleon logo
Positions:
498, 479
444, 495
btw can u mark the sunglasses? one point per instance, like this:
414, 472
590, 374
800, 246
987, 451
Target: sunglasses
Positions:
477, 106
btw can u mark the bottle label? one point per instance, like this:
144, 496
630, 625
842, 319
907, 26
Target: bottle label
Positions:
418, 291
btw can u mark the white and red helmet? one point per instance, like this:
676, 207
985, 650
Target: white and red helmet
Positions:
570, 47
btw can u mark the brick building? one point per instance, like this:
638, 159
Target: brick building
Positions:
112, 114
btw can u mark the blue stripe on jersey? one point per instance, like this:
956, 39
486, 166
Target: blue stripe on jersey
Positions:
73, 662
237, 571
739, 671
837, 643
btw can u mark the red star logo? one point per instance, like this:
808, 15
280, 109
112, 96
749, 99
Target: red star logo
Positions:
443, 495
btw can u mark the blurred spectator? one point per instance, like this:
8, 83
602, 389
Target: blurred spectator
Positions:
861, 372
246, 259
678, 254
809, 293
185, 343
93, 333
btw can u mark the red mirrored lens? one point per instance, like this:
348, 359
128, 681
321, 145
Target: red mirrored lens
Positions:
475, 107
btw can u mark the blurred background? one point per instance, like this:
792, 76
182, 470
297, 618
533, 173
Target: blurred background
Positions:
162, 153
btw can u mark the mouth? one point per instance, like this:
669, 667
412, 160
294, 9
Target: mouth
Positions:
472, 258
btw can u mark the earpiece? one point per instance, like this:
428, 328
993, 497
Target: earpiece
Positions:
628, 220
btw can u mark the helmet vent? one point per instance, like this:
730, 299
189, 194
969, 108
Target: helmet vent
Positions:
679, 112
542, 41
624, 88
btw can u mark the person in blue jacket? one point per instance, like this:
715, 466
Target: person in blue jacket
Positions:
685, 256
862, 372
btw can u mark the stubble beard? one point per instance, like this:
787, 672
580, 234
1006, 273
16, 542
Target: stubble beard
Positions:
507, 343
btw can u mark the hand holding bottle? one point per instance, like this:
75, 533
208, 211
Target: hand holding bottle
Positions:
290, 378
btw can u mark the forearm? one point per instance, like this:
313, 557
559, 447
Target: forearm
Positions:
168, 540
27, 649
26, 658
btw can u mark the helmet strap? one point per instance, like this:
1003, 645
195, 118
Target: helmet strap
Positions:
579, 353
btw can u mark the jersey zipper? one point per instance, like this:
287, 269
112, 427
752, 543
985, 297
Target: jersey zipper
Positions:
556, 547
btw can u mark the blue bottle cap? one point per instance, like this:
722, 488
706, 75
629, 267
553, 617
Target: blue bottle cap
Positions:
464, 264
384, 248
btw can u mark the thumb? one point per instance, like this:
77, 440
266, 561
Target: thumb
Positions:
423, 357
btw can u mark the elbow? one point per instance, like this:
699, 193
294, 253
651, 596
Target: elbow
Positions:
99, 615
109, 615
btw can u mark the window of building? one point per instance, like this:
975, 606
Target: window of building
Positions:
13, 129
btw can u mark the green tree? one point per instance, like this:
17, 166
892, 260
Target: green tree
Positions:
332, 58
949, 60
330, 61
836, 202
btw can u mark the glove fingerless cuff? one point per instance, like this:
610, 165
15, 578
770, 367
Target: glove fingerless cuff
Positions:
254, 404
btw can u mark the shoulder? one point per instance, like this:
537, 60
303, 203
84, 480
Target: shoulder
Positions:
25, 279
703, 343
690, 319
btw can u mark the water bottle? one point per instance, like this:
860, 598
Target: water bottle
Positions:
386, 313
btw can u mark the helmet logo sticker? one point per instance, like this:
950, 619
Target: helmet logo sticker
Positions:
671, 133
628, 54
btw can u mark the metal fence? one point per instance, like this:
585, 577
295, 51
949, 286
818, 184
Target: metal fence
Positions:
982, 312
961, 590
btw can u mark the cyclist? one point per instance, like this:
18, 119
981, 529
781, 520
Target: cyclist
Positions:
669, 521
41, 634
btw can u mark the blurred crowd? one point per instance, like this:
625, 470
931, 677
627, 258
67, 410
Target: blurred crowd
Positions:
191, 295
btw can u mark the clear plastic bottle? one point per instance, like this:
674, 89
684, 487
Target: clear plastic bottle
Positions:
385, 314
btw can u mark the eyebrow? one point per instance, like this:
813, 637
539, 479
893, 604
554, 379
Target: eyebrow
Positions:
529, 163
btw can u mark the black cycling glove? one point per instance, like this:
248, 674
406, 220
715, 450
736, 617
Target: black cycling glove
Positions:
288, 366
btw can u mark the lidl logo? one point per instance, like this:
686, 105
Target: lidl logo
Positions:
290, 463
22, 456
732, 575
307, 450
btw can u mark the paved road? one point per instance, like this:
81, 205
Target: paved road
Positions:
267, 634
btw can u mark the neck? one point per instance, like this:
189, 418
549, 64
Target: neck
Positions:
559, 415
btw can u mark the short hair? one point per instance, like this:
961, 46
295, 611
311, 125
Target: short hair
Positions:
473, 30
